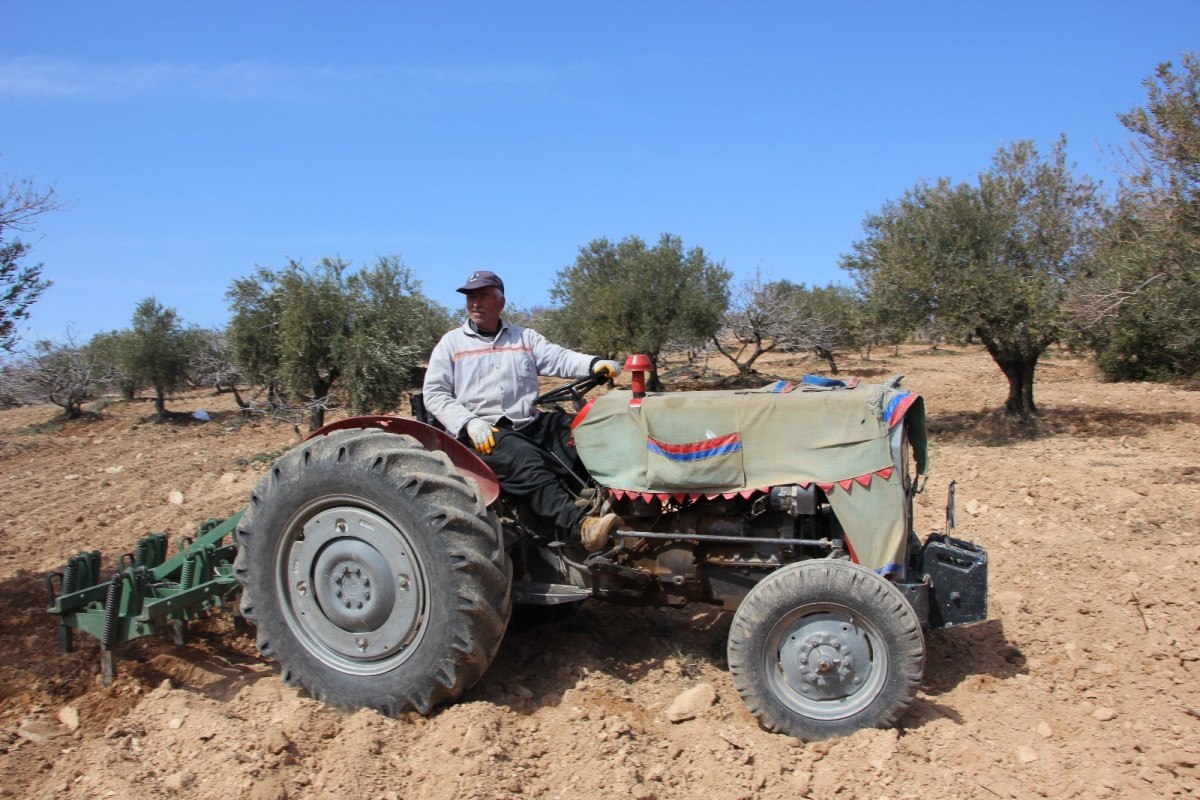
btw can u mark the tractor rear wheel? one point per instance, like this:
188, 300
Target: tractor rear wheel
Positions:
374, 573
822, 648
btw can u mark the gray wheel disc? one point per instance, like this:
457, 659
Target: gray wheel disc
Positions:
350, 588
825, 662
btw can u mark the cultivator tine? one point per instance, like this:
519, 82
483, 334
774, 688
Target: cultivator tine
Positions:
108, 666
81, 571
66, 643
950, 523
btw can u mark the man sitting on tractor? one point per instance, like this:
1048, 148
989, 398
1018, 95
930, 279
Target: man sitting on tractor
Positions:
481, 385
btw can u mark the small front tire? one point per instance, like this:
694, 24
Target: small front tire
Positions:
820, 649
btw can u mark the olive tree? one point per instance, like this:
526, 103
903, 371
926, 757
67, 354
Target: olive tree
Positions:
211, 363
992, 259
308, 330
632, 298
109, 350
20, 284
1140, 305
64, 374
156, 351
766, 316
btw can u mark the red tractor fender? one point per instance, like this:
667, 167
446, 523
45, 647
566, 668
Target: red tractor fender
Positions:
462, 457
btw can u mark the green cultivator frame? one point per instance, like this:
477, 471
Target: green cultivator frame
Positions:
147, 591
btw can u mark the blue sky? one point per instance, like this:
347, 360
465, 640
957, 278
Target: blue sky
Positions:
193, 142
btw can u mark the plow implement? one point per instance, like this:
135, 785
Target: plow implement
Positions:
148, 593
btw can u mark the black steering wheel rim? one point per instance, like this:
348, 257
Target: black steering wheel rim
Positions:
573, 391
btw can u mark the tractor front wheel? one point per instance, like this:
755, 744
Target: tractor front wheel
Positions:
822, 648
373, 572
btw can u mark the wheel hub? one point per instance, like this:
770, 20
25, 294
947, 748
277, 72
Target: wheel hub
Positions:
353, 587
825, 657
356, 589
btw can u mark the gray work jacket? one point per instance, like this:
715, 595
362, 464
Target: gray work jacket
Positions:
469, 376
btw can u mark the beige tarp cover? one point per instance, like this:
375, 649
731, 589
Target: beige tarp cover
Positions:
689, 444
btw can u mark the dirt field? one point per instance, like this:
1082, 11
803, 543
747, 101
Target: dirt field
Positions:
1084, 683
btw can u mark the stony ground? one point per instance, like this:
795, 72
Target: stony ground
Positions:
1082, 684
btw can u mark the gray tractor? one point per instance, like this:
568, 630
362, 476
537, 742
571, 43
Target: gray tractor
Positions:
380, 561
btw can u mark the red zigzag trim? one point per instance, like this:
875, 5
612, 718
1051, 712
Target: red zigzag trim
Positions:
649, 497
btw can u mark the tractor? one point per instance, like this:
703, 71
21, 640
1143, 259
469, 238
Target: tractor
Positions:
380, 562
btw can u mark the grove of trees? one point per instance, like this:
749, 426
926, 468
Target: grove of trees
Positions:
1025, 255
302, 331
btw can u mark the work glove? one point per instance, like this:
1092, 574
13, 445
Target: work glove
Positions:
483, 435
606, 369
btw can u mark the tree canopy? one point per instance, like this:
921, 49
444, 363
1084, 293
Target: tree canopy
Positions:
632, 298
64, 374
993, 258
20, 284
309, 329
766, 316
1141, 304
156, 351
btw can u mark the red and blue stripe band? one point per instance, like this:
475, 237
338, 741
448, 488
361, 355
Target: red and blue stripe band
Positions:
695, 451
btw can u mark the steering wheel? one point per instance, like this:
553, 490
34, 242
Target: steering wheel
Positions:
573, 391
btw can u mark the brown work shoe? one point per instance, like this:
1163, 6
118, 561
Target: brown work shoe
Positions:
594, 532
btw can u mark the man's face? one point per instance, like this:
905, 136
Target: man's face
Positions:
483, 307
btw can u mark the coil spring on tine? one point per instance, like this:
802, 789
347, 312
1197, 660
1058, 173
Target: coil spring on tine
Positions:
70, 574
188, 573
112, 608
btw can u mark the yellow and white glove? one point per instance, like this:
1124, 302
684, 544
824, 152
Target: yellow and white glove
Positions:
483, 435
606, 369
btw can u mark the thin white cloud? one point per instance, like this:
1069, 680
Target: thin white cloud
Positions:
256, 80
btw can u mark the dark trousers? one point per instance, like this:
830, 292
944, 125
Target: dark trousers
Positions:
539, 467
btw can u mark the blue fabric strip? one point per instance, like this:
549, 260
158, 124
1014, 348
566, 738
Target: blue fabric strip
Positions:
817, 380
891, 406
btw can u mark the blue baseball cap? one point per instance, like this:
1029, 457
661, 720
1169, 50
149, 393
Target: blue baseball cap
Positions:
480, 279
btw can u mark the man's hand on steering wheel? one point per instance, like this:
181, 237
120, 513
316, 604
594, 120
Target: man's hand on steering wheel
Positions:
606, 369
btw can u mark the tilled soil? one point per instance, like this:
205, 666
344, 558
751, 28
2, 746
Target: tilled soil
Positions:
1083, 683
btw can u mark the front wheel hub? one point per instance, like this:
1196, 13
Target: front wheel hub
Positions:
825, 657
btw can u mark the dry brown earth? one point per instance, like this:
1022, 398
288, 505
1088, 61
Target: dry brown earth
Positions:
1083, 683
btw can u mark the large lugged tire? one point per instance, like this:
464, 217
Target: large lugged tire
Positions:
822, 648
374, 573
